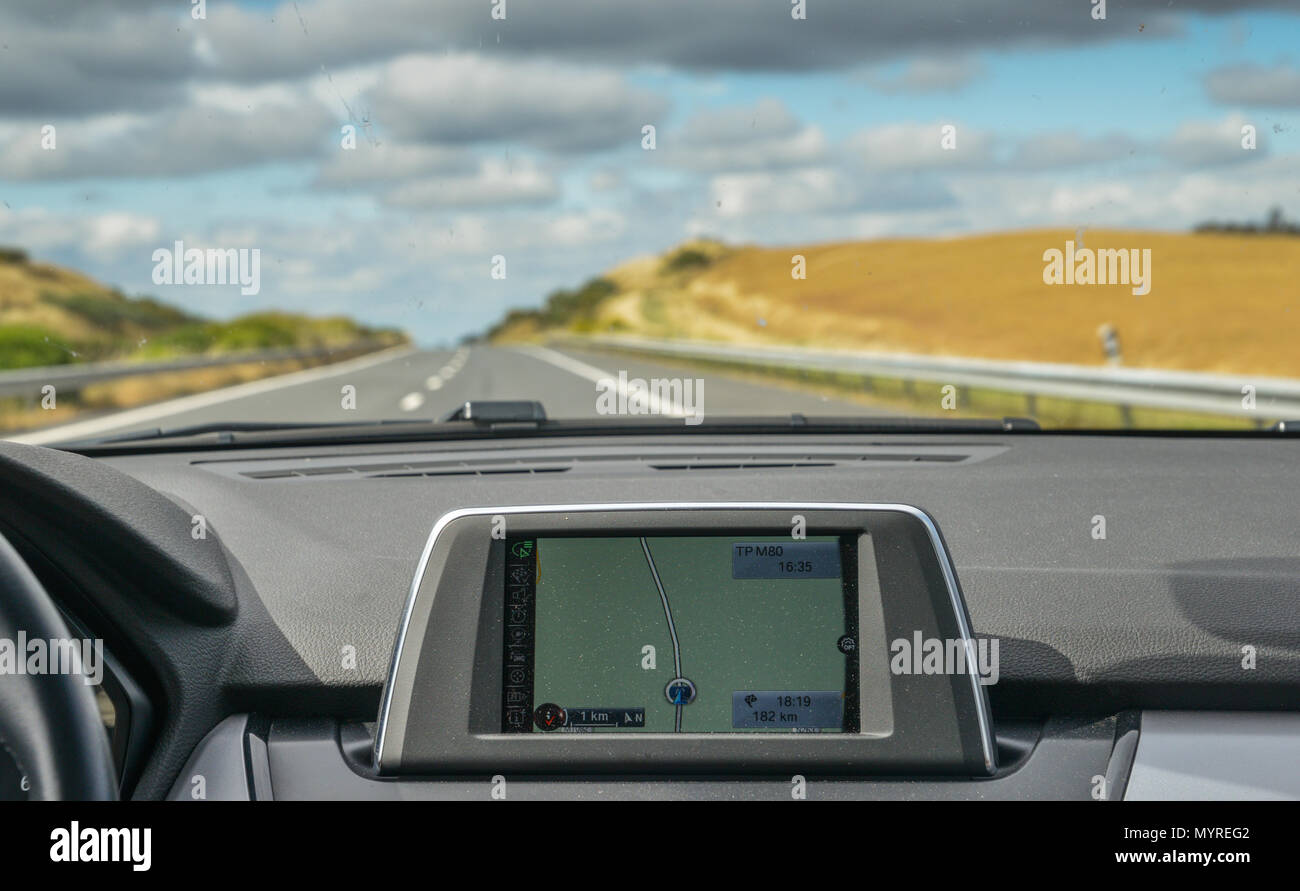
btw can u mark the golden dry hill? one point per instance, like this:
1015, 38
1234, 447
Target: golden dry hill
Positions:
1217, 302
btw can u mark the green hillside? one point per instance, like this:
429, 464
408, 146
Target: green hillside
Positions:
54, 316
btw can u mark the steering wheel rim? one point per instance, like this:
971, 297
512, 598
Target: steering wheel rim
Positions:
49, 723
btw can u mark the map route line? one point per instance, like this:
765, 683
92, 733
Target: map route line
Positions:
672, 629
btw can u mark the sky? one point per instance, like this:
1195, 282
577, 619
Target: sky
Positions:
515, 129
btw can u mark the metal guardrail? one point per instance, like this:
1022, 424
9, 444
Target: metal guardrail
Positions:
72, 377
1216, 394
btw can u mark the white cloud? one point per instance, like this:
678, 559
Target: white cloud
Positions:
495, 183
758, 137
1208, 143
462, 98
605, 180
813, 190
386, 162
576, 230
104, 236
1170, 198
111, 232
1090, 200
913, 146
1258, 85
193, 139
928, 74
1069, 148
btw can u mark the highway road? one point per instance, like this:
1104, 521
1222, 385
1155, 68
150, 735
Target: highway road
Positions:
407, 383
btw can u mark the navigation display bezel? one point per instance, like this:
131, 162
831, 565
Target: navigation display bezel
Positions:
442, 705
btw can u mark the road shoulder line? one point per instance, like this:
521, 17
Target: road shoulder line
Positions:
95, 426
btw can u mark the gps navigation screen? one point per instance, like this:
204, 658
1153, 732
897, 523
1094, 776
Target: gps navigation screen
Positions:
681, 634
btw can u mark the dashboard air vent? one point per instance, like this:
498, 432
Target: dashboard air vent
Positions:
605, 461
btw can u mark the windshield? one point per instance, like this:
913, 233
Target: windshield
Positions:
1085, 213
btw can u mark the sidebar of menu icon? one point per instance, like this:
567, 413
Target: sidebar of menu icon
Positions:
520, 625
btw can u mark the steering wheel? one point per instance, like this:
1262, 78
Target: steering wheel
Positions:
49, 723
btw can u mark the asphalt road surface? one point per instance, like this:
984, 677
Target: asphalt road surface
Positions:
408, 384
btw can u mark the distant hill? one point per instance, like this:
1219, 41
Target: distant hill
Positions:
1217, 302
52, 316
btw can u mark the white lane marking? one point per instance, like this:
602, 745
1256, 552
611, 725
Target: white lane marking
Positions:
411, 401
144, 414
448, 371
596, 375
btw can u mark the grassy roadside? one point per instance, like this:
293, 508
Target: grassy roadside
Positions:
22, 415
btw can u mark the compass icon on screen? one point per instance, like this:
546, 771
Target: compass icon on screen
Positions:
680, 691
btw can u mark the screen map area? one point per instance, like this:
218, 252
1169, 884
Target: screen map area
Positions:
681, 634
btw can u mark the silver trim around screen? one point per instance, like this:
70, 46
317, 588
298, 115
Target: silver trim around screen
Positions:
945, 564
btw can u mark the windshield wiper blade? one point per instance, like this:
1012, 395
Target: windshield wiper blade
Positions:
229, 428
486, 421
490, 413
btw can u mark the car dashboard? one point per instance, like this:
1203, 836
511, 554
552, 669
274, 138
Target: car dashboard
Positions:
704, 616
